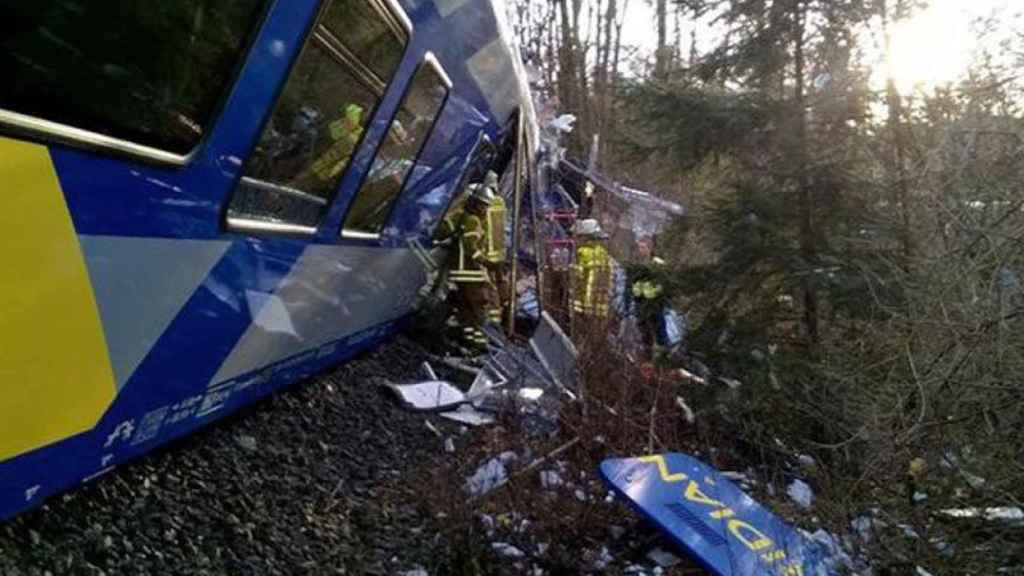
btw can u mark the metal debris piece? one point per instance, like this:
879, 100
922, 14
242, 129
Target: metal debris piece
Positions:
800, 493
491, 475
429, 370
687, 411
429, 395
555, 351
505, 550
730, 382
1008, 514
467, 414
430, 426
550, 479
449, 445
663, 558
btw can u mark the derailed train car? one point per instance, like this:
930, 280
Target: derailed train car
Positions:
204, 201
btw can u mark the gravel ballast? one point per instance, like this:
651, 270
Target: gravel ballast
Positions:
314, 480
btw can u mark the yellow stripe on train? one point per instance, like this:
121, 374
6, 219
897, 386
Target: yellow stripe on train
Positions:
55, 373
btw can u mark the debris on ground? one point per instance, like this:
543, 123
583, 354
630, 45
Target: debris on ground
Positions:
490, 476
800, 493
430, 395
663, 558
505, 550
467, 414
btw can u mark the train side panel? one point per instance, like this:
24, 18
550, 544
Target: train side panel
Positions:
134, 314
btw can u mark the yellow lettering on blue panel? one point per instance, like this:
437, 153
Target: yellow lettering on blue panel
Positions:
659, 461
56, 373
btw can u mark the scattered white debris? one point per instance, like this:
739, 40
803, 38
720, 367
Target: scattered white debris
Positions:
531, 394
663, 558
429, 395
616, 531
602, 559
609, 497
489, 476
908, 531
922, 572
864, 526
467, 414
687, 375
542, 548
687, 411
973, 480
801, 493
550, 479
449, 445
505, 550
430, 426
429, 370
487, 521
919, 497
580, 495
563, 123
734, 476
836, 556
806, 461
417, 571
1009, 514
730, 382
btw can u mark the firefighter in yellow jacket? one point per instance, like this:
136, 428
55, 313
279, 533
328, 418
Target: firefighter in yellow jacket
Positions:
592, 273
480, 260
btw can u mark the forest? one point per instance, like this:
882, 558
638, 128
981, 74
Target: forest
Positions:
852, 248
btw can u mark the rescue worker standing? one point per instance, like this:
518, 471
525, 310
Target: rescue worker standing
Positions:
592, 273
480, 262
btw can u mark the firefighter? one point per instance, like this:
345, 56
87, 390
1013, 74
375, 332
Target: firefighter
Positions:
345, 133
592, 278
480, 259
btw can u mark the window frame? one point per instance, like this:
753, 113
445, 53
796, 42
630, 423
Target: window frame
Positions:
46, 131
429, 59
320, 35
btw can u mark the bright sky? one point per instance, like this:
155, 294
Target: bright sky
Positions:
933, 47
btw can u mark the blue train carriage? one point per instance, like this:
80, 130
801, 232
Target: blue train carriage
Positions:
214, 198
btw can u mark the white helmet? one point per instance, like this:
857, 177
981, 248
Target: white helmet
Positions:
491, 179
482, 193
587, 227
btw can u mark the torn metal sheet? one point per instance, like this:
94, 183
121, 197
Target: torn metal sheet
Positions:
467, 414
555, 351
429, 395
711, 519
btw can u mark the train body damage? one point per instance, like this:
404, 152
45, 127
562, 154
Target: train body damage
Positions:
215, 200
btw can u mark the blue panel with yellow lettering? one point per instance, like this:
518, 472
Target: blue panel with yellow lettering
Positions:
711, 519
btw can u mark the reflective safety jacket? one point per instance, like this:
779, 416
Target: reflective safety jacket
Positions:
646, 289
469, 268
494, 241
592, 280
481, 243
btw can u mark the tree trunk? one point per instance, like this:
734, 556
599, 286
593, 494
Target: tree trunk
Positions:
897, 151
808, 250
661, 55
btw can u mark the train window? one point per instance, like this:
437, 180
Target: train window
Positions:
142, 77
397, 155
315, 127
